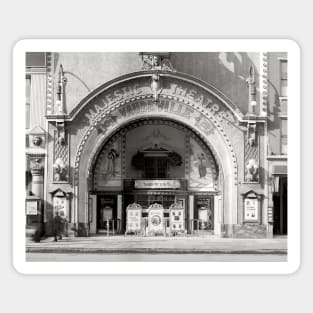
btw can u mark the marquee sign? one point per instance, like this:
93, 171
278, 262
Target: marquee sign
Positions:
157, 184
103, 122
169, 89
173, 96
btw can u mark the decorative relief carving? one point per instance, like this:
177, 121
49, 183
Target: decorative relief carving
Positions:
208, 118
36, 165
108, 167
252, 90
264, 84
252, 170
203, 166
133, 93
37, 137
60, 170
156, 86
60, 133
156, 61
50, 67
251, 134
60, 102
61, 158
37, 140
251, 149
251, 144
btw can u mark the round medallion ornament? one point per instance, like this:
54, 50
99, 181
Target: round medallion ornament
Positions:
156, 220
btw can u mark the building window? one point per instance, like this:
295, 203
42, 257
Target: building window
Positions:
283, 78
27, 109
284, 136
156, 167
35, 59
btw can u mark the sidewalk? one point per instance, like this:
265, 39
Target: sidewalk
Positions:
135, 244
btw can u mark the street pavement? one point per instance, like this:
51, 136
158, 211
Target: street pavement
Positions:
159, 245
159, 257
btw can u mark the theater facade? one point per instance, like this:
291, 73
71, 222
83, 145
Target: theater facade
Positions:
155, 143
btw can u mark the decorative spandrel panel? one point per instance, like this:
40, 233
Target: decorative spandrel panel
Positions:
61, 157
108, 169
203, 172
251, 149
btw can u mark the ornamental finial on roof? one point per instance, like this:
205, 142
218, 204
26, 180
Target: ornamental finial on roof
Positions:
252, 90
156, 61
60, 91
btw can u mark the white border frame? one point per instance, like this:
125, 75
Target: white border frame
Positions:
135, 45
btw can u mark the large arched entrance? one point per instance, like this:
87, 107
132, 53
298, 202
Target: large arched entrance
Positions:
155, 160
184, 103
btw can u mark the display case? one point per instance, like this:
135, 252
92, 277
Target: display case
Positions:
133, 219
33, 211
252, 207
177, 218
156, 224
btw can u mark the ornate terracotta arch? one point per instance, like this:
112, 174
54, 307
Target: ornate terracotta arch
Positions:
178, 97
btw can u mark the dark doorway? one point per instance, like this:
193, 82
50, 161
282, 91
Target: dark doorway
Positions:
204, 213
280, 199
106, 211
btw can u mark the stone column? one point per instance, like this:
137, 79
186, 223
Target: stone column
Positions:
217, 214
119, 210
93, 214
37, 178
36, 169
191, 210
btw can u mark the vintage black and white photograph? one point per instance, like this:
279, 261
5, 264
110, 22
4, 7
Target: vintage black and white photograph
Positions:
154, 156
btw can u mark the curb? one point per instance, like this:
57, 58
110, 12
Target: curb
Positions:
153, 251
